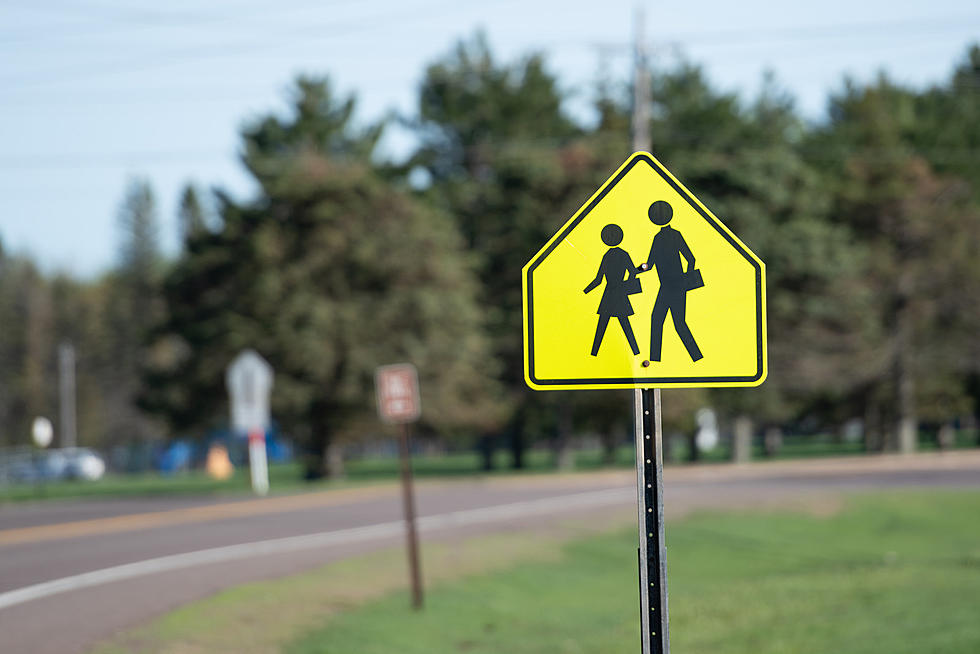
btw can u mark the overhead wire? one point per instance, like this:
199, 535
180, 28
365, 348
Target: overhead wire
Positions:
316, 32
107, 159
738, 36
73, 160
155, 20
525, 149
309, 32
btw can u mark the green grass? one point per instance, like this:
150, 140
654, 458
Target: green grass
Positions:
259, 617
288, 477
890, 574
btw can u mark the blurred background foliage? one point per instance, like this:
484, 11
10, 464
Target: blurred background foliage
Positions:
343, 260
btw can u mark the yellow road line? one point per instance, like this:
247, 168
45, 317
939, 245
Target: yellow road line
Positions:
714, 472
195, 514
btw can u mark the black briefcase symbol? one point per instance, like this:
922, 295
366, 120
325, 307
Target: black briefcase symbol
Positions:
693, 280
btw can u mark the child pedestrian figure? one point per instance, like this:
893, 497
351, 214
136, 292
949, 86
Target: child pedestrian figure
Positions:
621, 282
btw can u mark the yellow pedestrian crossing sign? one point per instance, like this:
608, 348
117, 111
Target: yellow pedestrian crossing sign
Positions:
644, 287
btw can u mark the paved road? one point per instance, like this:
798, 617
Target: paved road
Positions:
72, 573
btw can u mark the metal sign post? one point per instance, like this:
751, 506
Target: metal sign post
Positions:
654, 635
656, 252
408, 506
397, 388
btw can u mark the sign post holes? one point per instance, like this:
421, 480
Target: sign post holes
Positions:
653, 547
596, 303
397, 389
249, 382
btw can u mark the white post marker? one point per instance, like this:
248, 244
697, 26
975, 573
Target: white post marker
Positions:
249, 381
42, 431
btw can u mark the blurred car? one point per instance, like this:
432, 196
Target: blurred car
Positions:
83, 464
21, 471
53, 464
33, 466
69, 463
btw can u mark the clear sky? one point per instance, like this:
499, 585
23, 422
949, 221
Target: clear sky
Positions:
95, 92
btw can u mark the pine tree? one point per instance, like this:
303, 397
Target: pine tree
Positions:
330, 273
191, 220
916, 230
509, 166
132, 307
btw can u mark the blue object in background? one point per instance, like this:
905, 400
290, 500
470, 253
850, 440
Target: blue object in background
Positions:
278, 448
176, 457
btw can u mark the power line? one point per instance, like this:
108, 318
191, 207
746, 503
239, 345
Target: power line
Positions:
541, 149
878, 29
305, 33
214, 51
315, 32
181, 95
885, 28
111, 159
149, 20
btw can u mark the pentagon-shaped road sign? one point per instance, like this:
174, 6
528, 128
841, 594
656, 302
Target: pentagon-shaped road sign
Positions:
644, 287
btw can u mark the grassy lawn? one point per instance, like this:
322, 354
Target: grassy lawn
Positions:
888, 574
263, 617
288, 477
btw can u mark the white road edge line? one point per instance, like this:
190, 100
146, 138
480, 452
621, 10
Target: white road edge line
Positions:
309, 541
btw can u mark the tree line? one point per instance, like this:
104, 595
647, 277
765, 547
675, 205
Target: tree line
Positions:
343, 260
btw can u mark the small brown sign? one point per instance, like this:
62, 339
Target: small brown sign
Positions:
397, 388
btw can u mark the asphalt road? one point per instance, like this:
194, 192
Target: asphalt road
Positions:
73, 573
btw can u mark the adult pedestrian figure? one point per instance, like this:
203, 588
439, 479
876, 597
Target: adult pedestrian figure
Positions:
665, 253
621, 282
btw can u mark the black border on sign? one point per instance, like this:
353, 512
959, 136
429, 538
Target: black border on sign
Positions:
650, 381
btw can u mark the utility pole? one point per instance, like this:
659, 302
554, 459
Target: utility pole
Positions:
66, 388
648, 432
641, 87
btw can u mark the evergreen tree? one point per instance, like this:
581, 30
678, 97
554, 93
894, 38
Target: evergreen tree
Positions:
139, 252
510, 167
945, 130
133, 306
191, 218
916, 230
330, 273
747, 163
25, 354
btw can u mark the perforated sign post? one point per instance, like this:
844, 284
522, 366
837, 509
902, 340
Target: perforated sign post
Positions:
595, 317
397, 389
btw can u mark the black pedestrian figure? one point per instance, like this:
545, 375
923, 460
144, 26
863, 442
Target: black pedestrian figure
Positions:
621, 282
665, 253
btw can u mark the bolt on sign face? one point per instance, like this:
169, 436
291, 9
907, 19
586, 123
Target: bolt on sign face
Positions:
644, 287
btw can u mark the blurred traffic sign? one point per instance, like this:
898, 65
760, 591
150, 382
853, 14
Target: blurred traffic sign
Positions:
596, 317
249, 381
397, 388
